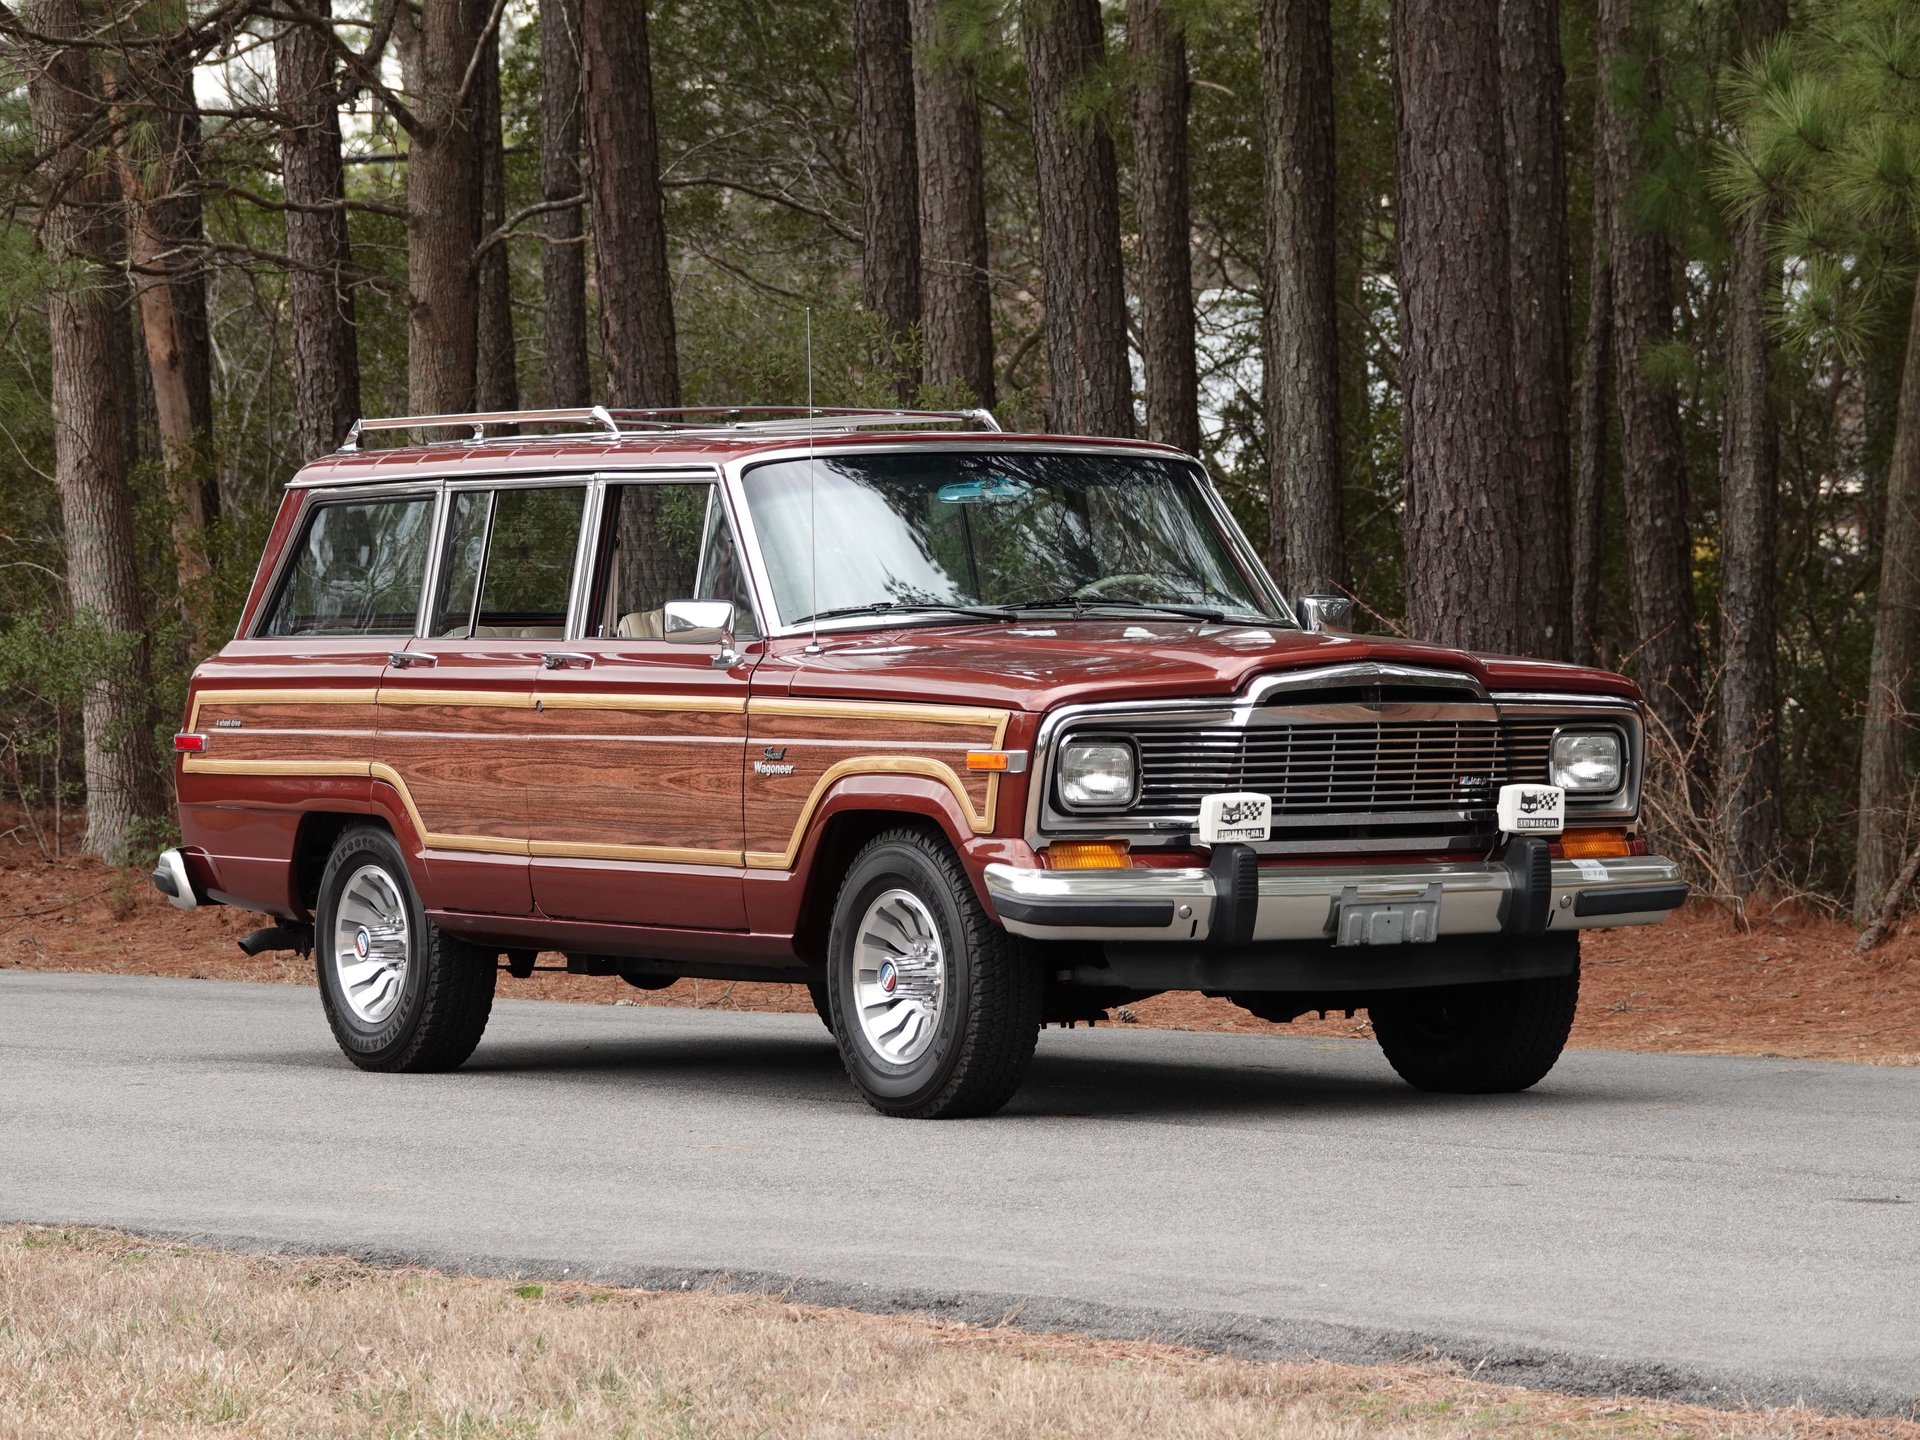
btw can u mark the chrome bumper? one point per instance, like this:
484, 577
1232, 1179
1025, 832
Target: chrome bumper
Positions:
1301, 903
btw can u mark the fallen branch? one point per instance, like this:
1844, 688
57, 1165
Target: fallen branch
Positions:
1890, 907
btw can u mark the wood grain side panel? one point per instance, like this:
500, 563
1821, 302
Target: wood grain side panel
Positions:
681, 794
465, 785
571, 722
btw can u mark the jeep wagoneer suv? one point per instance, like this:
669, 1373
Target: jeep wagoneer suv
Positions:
967, 731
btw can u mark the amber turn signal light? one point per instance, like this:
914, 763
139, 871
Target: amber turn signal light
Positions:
1089, 855
1594, 844
189, 744
999, 762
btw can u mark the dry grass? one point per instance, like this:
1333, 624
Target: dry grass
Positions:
103, 1334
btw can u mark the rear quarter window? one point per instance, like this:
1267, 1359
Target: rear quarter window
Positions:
357, 569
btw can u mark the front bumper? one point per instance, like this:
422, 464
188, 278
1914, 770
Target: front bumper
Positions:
1303, 902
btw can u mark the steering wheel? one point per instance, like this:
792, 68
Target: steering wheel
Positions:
1103, 588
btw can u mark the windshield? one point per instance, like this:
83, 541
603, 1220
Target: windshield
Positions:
976, 529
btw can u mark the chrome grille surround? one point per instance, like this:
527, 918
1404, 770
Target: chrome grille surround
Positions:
1400, 773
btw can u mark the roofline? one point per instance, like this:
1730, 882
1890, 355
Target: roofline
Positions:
668, 451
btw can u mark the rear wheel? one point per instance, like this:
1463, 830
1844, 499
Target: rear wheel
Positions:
822, 1004
400, 994
935, 1007
1477, 1039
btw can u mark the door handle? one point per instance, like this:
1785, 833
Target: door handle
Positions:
406, 660
565, 660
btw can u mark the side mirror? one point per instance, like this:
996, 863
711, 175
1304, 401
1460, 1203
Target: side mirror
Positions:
701, 622
1325, 612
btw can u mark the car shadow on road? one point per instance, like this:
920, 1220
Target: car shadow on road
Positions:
1288, 1077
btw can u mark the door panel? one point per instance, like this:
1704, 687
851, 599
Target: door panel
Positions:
634, 782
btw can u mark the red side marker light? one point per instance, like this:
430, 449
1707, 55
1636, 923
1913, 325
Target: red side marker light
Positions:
189, 744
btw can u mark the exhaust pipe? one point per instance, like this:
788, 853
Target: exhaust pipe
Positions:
288, 936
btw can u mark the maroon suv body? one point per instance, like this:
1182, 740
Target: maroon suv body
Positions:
964, 730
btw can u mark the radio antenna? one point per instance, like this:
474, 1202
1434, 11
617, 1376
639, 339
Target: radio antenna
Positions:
813, 533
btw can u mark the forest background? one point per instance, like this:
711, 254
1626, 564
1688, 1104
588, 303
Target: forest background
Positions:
1584, 330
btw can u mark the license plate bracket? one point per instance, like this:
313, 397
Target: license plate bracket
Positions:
1412, 919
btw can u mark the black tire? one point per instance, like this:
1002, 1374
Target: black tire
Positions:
446, 991
989, 1013
822, 1004
1477, 1039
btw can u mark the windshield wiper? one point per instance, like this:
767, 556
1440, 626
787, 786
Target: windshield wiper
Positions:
1107, 602
896, 607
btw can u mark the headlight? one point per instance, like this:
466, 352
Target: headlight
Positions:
1097, 774
1586, 762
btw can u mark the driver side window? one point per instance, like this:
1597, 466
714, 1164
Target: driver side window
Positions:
661, 543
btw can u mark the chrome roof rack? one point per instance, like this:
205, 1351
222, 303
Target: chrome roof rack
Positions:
678, 420
479, 421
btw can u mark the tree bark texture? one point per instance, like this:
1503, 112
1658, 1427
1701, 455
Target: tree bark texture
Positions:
889, 173
1306, 528
326, 349
443, 208
1885, 781
1463, 542
1079, 193
496, 370
1653, 470
88, 337
1532, 93
1158, 55
180, 216
1595, 404
955, 300
1749, 745
629, 212
563, 257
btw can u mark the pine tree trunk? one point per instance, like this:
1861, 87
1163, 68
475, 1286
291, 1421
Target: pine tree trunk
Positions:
1306, 545
1159, 60
1595, 404
1079, 192
496, 371
326, 350
563, 258
889, 172
1456, 373
88, 338
443, 209
1533, 87
1653, 469
180, 217
1749, 748
629, 212
956, 302
1885, 781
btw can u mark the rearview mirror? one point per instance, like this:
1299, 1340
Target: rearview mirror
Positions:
701, 622
1332, 613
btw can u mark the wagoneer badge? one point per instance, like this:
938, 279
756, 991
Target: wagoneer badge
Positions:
771, 763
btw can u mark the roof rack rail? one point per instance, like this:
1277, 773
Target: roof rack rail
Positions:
795, 419
679, 420
479, 421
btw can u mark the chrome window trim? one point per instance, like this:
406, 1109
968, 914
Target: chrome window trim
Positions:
313, 500
1236, 712
713, 475
736, 469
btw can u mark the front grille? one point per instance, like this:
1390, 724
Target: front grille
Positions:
1345, 769
1326, 769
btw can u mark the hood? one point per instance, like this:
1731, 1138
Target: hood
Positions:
1036, 665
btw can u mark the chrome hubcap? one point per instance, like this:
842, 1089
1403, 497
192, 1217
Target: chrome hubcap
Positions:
372, 942
899, 976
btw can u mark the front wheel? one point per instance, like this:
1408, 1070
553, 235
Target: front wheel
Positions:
1477, 1039
399, 993
936, 1009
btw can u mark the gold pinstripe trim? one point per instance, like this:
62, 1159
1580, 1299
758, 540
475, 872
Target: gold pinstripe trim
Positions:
980, 821
477, 699
692, 704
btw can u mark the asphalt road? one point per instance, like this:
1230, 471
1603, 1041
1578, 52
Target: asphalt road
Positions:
1736, 1231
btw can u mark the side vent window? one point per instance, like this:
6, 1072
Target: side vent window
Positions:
357, 570
509, 567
